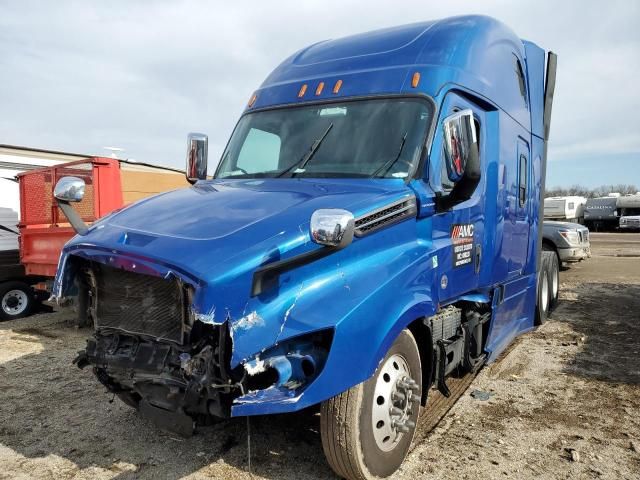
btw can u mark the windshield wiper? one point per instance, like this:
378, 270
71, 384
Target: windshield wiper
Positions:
386, 166
308, 156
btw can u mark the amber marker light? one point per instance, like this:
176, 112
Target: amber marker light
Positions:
415, 80
319, 89
252, 100
303, 90
336, 87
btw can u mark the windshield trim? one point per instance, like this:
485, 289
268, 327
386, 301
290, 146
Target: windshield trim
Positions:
428, 138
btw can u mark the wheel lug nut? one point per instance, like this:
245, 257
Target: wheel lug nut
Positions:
415, 398
401, 427
398, 397
410, 423
395, 411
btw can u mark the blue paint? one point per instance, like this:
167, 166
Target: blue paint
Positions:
214, 235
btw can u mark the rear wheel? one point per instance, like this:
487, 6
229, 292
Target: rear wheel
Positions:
16, 300
553, 274
367, 430
542, 300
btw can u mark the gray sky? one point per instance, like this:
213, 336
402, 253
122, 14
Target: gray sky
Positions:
80, 75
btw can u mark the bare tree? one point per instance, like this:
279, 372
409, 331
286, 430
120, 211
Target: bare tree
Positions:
601, 191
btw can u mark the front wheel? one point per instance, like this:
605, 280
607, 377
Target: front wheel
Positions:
367, 430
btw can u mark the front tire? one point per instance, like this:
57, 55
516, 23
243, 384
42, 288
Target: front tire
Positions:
367, 430
16, 300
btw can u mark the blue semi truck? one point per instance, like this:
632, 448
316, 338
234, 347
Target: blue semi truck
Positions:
372, 227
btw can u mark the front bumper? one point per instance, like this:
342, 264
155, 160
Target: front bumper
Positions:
574, 254
630, 227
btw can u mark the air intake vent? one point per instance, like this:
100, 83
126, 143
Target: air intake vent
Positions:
385, 216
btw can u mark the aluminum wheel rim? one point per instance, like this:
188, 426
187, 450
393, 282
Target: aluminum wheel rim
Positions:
545, 292
393, 403
14, 302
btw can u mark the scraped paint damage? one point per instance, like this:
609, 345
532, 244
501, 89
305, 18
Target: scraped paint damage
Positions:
208, 317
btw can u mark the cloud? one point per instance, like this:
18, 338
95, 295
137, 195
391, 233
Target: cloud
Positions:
78, 76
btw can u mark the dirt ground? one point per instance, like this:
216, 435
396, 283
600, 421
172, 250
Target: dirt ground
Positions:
564, 403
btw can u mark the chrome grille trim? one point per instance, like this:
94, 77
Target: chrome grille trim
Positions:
385, 216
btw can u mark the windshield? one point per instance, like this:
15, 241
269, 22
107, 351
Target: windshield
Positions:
380, 138
630, 212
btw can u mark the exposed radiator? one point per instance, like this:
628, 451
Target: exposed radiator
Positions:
139, 304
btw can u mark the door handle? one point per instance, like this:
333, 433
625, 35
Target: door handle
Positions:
478, 257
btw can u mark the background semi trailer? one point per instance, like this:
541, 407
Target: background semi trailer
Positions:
373, 226
31, 246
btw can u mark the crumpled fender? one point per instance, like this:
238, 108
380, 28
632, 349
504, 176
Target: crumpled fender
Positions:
368, 300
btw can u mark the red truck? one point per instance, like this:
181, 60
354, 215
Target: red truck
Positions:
25, 275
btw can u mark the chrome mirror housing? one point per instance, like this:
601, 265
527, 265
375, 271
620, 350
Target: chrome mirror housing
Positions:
69, 189
459, 138
197, 154
332, 227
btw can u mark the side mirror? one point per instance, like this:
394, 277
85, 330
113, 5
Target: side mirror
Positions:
67, 190
461, 157
332, 227
197, 153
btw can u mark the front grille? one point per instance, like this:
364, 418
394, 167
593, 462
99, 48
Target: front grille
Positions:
385, 216
139, 304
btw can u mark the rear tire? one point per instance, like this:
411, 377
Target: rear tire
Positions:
553, 274
360, 436
542, 293
17, 300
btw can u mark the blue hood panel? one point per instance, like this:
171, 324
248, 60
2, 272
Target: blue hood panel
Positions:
219, 209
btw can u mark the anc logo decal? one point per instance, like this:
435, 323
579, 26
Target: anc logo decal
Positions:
462, 239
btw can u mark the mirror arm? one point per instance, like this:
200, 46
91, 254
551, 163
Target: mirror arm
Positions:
267, 276
463, 190
74, 219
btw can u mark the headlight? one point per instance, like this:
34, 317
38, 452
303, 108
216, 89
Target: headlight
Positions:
571, 236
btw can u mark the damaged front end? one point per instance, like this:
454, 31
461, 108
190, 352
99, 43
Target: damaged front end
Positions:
153, 350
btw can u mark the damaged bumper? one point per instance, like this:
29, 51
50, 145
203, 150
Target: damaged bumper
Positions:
157, 351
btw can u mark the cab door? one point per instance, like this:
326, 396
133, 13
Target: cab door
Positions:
459, 232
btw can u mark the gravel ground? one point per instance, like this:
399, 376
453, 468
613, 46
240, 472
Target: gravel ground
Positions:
564, 403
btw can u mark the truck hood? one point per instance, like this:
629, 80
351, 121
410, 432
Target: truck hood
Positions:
221, 229
552, 224
216, 210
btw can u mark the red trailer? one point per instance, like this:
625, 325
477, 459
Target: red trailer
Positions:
110, 184
43, 227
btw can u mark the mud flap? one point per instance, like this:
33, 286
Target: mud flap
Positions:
175, 422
